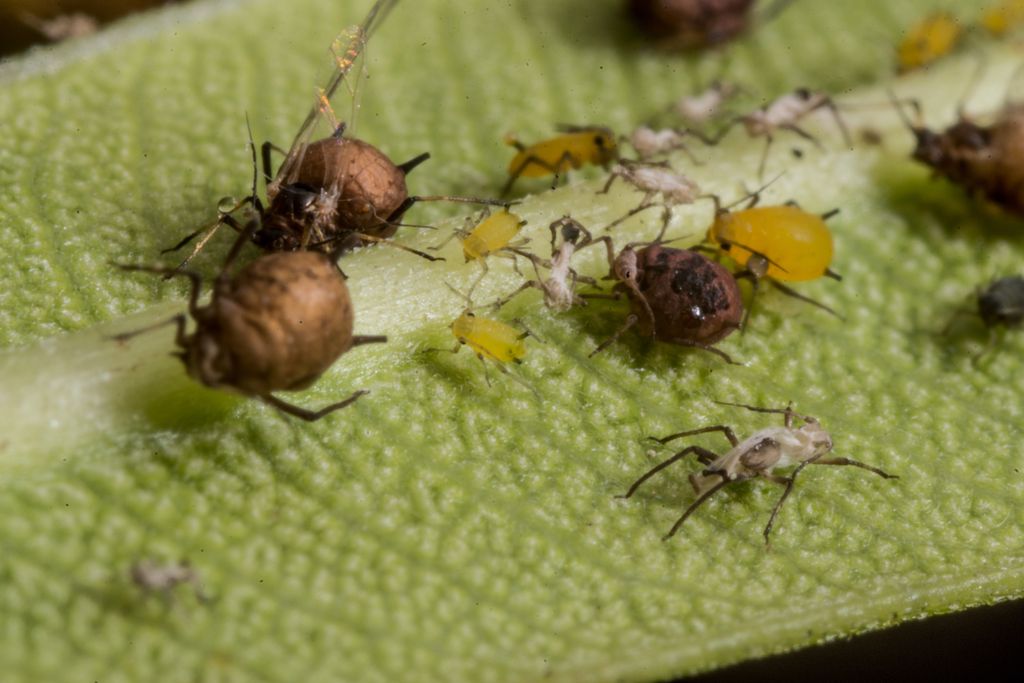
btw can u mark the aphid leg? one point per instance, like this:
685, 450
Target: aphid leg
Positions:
764, 158
696, 504
564, 162
360, 339
631, 320
755, 282
705, 347
310, 415
604, 190
265, 149
666, 218
803, 133
848, 462
525, 286
643, 206
831, 106
788, 483
180, 319
703, 454
833, 274
729, 434
796, 295
483, 273
195, 280
534, 160
396, 245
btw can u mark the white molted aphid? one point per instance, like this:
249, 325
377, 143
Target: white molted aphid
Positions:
756, 456
701, 108
654, 179
163, 578
784, 113
649, 142
559, 287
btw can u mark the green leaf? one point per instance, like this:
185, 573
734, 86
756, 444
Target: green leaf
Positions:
442, 529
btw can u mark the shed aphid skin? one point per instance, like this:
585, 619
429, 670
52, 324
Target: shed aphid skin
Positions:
704, 107
785, 113
162, 578
927, 41
654, 180
650, 142
676, 296
1000, 305
1002, 17
575, 147
781, 243
559, 287
698, 24
276, 325
983, 160
335, 193
756, 456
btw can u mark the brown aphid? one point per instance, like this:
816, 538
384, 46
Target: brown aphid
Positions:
985, 161
676, 296
277, 325
335, 193
696, 24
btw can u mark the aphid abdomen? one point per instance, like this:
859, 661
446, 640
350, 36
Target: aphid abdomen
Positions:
491, 339
692, 298
365, 187
277, 325
494, 233
797, 244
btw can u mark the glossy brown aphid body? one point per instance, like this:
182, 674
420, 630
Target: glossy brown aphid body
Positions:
676, 296
984, 160
277, 325
342, 193
692, 24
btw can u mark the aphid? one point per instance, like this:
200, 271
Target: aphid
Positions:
701, 108
1001, 18
654, 180
780, 243
697, 24
492, 235
983, 160
332, 194
490, 341
1000, 304
276, 325
559, 287
676, 296
649, 142
63, 26
785, 113
928, 41
163, 578
755, 456
575, 147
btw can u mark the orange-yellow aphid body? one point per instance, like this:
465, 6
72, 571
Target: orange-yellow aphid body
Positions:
490, 339
927, 41
492, 234
1003, 17
578, 146
796, 244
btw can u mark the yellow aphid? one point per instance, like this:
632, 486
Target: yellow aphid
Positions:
1003, 17
796, 245
578, 146
492, 234
490, 339
927, 41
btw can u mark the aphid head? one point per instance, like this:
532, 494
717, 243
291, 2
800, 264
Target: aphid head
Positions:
819, 439
571, 231
606, 144
627, 266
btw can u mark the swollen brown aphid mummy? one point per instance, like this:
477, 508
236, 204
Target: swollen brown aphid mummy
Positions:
697, 24
277, 325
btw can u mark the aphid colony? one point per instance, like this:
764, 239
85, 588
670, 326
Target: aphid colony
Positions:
279, 322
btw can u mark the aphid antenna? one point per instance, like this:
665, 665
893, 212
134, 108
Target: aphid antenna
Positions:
898, 104
787, 411
972, 85
753, 197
